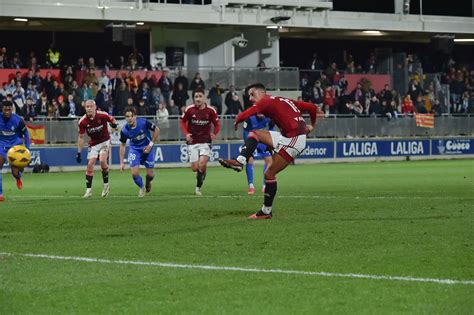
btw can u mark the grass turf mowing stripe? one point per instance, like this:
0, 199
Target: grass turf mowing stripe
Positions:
242, 269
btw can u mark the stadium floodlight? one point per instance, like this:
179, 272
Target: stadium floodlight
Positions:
240, 42
464, 40
373, 32
273, 27
20, 20
140, 23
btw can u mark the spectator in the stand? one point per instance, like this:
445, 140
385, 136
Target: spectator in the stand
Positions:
121, 98
246, 99
32, 92
420, 105
305, 86
63, 109
135, 95
27, 79
436, 108
142, 109
19, 99
173, 109
261, 65
80, 65
317, 94
140, 61
389, 109
342, 83
131, 80
48, 85
90, 77
315, 63
39, 81
330, 72
407, 105
386, 93
11, 87
104, 80
53, 112
371, 64
215, 97
374, 107
149, 80
91, 63
355, 108
463, 105
133, 65
72, 106
108, 64
181, 78
3, 62
33, 63
162, 116
3, 91
16, 61
344, 100
103, 101
115, 83
60, 90
18, 77
350, 68
30, 110
121, 64
145, 94
42, 106
73, 87
53, 57
328, 101
166, 85
456, 89
197, 82
414, 89
357, 93
180, 97
85, 92
232, 102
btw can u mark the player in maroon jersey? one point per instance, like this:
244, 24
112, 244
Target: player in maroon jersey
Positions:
196, 125
287, 144
95, 124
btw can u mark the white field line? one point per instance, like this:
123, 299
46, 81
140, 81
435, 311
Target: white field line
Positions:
242, 269
158, 196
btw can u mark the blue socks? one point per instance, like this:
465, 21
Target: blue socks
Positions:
249, 171
138, 180
1, 185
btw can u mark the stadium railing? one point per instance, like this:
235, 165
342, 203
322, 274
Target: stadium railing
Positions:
333, 126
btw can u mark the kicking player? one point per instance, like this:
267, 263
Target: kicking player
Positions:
257, 122
13, 132
95, 123
141, 151
287, 145
196, 125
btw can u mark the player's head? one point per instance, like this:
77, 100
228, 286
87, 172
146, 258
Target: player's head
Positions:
90, 107
199, 96
7, 109
130, 115
256, 92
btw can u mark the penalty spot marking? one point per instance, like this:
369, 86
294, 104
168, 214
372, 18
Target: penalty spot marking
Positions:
242, 269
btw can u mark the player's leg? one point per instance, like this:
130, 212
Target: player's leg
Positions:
135, 158
103, 156
89, 175
149, 165
201, 172
279, 163
2, 161
249, 173
267, 162
254, 138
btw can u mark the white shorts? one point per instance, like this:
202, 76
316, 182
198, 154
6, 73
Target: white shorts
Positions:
197, 150
288, 148
94, 151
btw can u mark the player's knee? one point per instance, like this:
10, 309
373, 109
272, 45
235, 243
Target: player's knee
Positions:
269, 175
253, 134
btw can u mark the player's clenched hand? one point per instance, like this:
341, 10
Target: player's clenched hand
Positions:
236, 125
122, 166
78, 157
189, 137
309, 128
213, 137
147, 149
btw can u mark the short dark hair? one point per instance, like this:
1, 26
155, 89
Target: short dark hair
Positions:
130, 109
199, 90
7, 103
257, 86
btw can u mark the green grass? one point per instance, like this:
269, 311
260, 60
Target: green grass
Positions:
412, 219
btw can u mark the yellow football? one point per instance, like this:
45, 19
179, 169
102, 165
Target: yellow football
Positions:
19, 156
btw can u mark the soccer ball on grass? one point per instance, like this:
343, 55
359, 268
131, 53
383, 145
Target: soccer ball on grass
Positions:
19, 156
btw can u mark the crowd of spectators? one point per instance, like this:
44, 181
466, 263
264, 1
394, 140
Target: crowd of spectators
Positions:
36, 96
450, 92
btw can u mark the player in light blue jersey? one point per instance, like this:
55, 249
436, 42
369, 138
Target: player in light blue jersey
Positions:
13, 132
257, 122
141, 152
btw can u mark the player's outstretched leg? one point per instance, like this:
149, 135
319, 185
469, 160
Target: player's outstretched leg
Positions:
16, 173
89, 177
105, 177
249, 173
139, 182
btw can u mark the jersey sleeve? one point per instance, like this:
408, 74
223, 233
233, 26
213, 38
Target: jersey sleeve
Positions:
184, 120
24, 131
215, 121
309, 108
81, 128
149, 125
123, 137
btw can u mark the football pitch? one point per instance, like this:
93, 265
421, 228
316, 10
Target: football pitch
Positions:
386, 237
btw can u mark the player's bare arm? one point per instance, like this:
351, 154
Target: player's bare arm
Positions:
154, 139
122, 156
